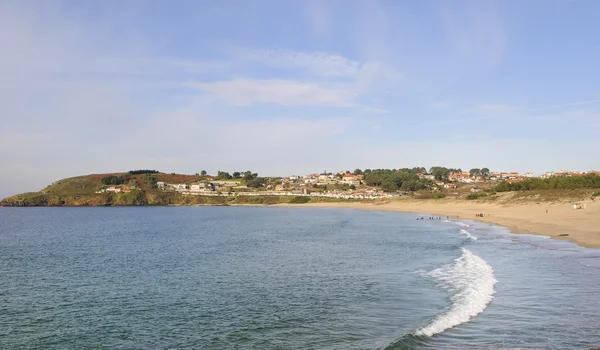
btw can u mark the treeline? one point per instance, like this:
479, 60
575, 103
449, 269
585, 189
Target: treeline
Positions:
249, 178
115, 180
148, 178
392, 180
553, 183
142, 171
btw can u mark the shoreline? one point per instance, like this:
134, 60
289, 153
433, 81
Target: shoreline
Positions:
561, 221
558, 220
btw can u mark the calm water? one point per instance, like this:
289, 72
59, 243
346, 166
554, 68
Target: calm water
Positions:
286, 278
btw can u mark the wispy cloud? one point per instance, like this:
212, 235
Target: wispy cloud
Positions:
316, 63
244, 92
569, 104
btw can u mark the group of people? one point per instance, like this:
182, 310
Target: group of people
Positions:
433, 218
480, 215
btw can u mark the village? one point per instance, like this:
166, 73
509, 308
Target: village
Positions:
342, 185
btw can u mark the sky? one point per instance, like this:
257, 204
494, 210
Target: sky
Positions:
295, 87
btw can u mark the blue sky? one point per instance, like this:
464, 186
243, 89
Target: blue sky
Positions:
285, 87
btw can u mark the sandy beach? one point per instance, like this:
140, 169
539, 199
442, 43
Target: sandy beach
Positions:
558, 220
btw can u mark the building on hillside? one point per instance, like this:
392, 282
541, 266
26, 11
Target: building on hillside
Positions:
513, 175
350, 179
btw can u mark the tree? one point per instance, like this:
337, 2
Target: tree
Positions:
110, 180
439, 173
248, 175
357, 172
203, 173
352, 187
222, 175
149, 180
237, 175
485, 172
389, 186
475, 172
256, 182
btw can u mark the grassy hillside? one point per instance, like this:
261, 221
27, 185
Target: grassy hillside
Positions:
81, 191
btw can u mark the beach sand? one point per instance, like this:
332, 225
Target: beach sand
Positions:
561, 221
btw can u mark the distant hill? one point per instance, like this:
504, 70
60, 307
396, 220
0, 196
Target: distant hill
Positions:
82, 191
136, 190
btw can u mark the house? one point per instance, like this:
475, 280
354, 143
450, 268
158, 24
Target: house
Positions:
279, 187
427, 177
511, 181
350, 179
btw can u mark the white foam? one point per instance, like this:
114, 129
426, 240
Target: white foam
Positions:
462, 224
472, 281
466, 233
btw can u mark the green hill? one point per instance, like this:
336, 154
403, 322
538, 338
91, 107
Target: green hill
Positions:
83, 191
137, 190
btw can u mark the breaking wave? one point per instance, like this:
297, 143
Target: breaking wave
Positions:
471, 280
466, 233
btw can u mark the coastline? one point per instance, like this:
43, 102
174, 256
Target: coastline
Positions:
557, 220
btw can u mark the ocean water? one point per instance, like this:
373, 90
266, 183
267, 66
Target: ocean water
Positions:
286, 278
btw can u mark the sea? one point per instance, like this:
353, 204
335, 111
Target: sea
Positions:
287, 278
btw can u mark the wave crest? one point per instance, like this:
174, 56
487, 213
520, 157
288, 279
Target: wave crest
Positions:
472, 281
466, 233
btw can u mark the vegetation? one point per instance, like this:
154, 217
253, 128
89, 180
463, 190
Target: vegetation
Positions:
476, 195
596, 194
560, 183
115, 180
222, 175
475, 172
442, 173
142, 171
149, 180
256, 182
438, 196
299, 200
391, 180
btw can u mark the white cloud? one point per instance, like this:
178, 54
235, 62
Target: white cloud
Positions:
244, 92
315, 63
